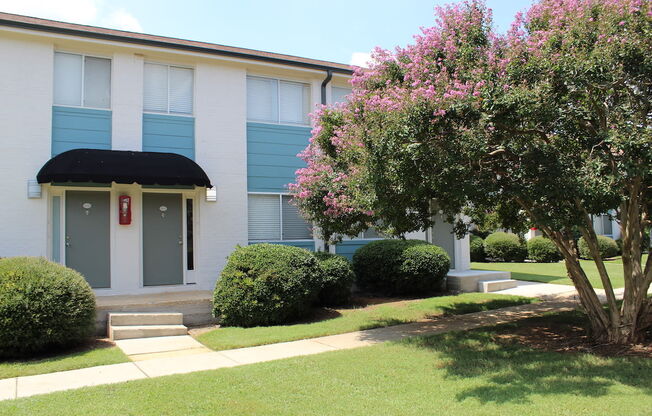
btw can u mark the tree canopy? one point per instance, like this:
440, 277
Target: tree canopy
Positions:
547, 124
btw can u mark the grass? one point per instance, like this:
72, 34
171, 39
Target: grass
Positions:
349, 320
556, 272
463, 373
63, 362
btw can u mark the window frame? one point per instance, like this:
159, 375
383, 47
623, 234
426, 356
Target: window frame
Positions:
81, 80
332, 101
280, 202
278, 81
168, 66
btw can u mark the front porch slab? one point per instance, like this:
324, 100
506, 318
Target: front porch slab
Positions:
196, 306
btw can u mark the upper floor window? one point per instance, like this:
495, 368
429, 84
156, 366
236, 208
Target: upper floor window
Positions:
274, 217
275, 101
83, 81
339, 94
168, 89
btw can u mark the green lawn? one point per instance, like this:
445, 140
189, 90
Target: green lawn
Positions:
556, 272
464, 373
349, 320
63, 362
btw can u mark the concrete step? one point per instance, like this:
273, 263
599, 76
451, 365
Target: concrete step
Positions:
486, 286
145, 318
145, 331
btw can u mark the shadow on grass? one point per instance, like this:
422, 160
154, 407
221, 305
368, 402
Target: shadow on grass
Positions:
470, 307
511, 373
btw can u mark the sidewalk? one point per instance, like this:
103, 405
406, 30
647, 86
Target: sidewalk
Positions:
46, 383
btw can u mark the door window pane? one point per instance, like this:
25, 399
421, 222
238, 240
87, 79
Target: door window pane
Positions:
67, 79
294, 226
97, 82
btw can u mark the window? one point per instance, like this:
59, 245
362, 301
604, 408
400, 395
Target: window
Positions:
82, 81
273, 217
168, 89
338, 94
602, 225
275, 101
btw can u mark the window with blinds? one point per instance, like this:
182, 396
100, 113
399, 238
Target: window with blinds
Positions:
82, 81
275, 101
339, 94
274, 217
168, 89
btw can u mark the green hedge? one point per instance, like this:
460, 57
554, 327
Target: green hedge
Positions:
502, 246
400, 267
607, 247
477, 248
266, 284
542, 250
337, 279
43, 306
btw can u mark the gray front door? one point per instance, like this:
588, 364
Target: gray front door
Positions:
162, 239
87, 236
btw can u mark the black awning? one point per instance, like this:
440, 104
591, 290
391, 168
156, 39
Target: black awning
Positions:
106, 166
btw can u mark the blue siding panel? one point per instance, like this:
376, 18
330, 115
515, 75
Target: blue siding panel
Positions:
348, 247
169, 134
80, 128
308, 245
272, 155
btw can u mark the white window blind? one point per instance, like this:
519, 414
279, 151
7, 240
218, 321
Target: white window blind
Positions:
294, 102
82, 80
371, 233
338, 94
155, 88
294, 226
262, 99
273, 101
168, 89
67, 79
264, 217
97, 82
181, 83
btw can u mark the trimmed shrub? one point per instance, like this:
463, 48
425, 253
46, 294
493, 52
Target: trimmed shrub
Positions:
266, 284
337, 279
542, 250
400, 267
43, 306
477, 248
502, 246
607, 247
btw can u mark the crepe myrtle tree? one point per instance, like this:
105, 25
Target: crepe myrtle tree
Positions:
548, 124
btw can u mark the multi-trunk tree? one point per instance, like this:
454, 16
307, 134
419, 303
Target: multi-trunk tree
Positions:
550, 123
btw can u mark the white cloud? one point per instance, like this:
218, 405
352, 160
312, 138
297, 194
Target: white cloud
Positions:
122, 19
86, 12
360, 59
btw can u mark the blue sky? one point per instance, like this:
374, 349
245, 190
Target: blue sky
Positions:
334, 30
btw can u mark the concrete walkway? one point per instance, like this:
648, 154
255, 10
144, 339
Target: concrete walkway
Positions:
200, 360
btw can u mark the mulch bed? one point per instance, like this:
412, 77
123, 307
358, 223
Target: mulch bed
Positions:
568, 338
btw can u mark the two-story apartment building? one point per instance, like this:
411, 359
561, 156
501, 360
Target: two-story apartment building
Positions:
142, 161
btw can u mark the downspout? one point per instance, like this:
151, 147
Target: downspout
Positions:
324, 83
329, 76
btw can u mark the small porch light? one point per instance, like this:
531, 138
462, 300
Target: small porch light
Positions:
211, 194
33, 189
